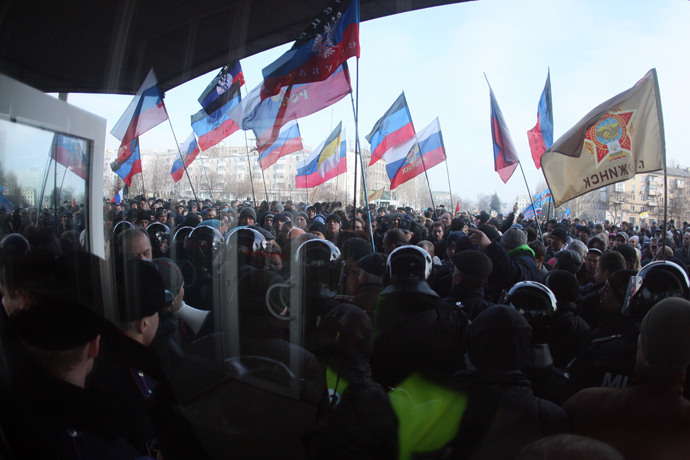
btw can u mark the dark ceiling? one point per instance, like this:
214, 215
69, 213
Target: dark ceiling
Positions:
108, 46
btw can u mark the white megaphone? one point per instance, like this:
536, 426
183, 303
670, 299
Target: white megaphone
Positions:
192, 317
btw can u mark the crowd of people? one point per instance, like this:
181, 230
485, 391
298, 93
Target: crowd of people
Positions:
424, 334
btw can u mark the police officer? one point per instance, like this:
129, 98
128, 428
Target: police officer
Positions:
609, 360
417, 331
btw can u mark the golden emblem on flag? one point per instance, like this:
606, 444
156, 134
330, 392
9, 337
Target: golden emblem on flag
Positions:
609, 138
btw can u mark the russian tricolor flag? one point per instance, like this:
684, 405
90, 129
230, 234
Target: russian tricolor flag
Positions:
416, 155
289, 141
393, 128
266, 117
71, 153
189, 151
505, 156
144, 112
541, 136
118, 196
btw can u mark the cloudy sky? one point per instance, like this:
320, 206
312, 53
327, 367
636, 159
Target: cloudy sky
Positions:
438, 56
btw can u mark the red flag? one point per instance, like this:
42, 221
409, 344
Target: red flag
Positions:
457, 208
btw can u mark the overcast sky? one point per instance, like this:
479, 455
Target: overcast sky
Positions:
438, 56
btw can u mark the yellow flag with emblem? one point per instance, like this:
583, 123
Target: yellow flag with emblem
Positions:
377, 195
618, 139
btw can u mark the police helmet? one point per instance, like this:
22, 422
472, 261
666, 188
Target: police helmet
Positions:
15, 242
121, 227
409, 263
321, 261
318, 254
181, 234
157, 233
536, 303
251, 246
204, 244
656, 281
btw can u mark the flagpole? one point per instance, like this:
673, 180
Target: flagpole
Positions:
55, 198
45, 177
179, 152
361, 164
62, 182
541, 236
662, 134
354, 112
263, 178
210, 190
251, 179
143, 185
449, 188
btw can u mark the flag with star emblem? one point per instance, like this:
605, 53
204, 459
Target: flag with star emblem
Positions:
618, 139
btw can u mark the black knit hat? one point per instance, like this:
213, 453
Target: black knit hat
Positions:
318, 227
473, 262
560, 233
373, 263
564, 286
248, 212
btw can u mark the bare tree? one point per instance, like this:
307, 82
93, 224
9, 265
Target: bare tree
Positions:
156, 171
679, 200
483, 202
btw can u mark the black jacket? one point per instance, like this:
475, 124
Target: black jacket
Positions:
508, 270
608, 360
131, 374
470, 299
362, 425
416, 332
568, 334
53, 419
502, 415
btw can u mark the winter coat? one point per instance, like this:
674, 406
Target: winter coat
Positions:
49, 418
416, 331
509, 269
469, 299
568, 334
362, 425
608, 359
502, 415
647, 420
131, 374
